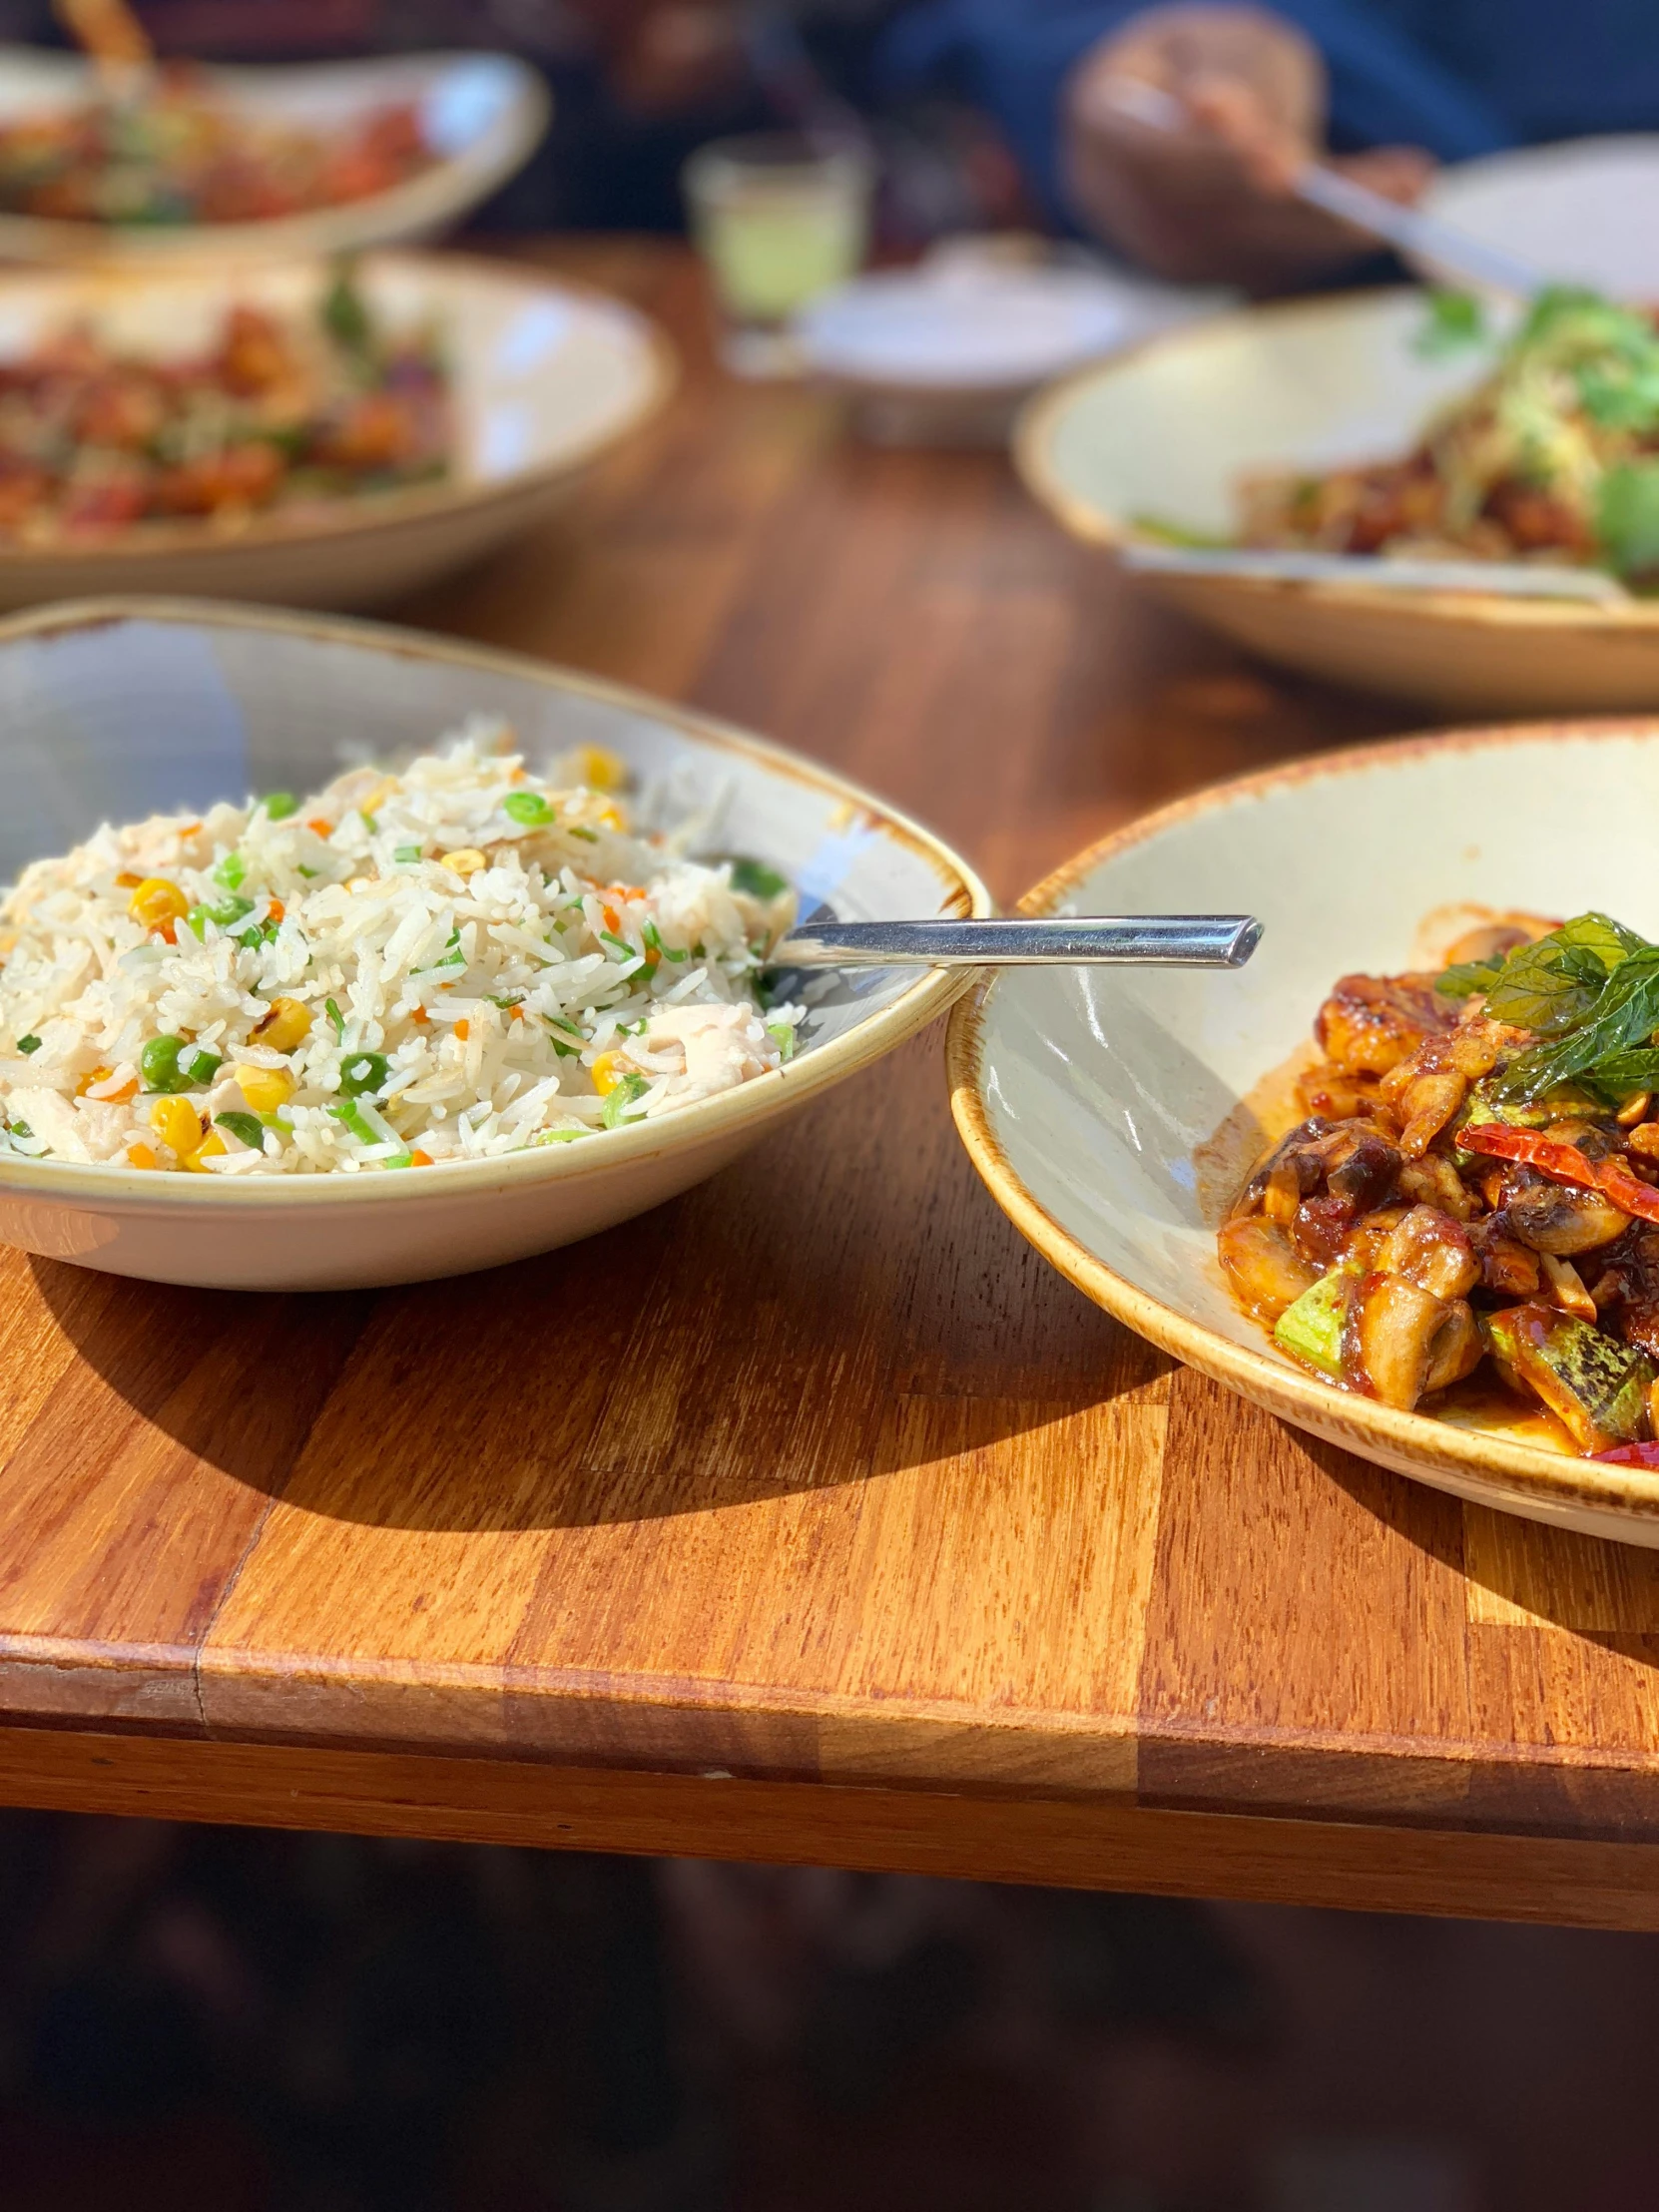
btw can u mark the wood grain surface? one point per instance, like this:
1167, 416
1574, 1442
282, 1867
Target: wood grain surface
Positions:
814, 1515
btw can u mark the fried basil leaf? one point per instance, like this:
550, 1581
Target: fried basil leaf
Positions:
1553, 983
1625, 1017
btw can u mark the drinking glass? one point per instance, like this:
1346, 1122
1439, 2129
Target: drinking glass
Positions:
779, 220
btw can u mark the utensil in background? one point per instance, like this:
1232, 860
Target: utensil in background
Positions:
1065, 940
1374, 572
1425, 237
779, 217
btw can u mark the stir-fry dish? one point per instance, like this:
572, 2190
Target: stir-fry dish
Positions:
1476, 1181
177, 153
93, 438
1553, 455
450, 962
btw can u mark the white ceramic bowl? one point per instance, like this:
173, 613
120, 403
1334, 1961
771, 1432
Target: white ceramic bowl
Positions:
110, 710
1168, 433
1580, 212
548, 378
1090, 1098
484, 115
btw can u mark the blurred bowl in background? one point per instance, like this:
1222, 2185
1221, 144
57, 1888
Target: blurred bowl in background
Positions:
547, 377
1159, 442
947, 353
482, 116
1583, 212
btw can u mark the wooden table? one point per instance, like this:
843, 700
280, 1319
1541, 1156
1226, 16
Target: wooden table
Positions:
813, 1517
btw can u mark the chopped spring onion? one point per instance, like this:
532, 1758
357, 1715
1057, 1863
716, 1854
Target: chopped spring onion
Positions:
278, 806
246, 1126
560, 1136
654, 940
621, 943
222, 912
231, 872
589, 836
614, 1113
406, 852
785, 1035
529, 807
29, 1045
337, 1018
364, 1122
757, 880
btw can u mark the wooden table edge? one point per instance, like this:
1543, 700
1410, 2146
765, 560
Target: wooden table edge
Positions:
1053, 1842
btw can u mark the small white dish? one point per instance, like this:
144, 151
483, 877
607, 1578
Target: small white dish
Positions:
1583, 210
1113, 1113
483, 116
976, 328
115, 709
547, 376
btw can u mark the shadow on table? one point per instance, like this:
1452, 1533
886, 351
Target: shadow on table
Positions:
590, 1386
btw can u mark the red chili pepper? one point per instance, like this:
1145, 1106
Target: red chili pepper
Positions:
1563, 1163
1630, 1456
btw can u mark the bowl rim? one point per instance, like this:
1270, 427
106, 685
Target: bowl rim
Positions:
1033, 443
135, 1190
364, 516
437, 195
1491, 1465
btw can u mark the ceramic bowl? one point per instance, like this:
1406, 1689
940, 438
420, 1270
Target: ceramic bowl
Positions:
1580, 212
548, 378
110, 710
484, 115
1168, 433
1114, 1113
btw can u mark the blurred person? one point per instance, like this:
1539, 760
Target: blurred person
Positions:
1384, 89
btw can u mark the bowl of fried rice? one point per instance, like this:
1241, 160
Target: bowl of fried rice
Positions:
336, 955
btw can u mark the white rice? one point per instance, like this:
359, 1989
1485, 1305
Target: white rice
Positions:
524, 981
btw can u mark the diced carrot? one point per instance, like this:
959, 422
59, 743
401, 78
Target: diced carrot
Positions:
462, 1031
420, 1159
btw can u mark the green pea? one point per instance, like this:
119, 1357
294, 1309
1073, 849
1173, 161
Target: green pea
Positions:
159, 1065
279, 805
231, 872
759, 880
363, 1073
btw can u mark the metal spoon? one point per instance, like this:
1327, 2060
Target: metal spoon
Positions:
1064, 940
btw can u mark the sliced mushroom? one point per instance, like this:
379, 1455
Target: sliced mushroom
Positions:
1265, 1273
1507, 1266
1550, 1217
1433, 1251
1391, 1339
1456, 1350
1426, 1106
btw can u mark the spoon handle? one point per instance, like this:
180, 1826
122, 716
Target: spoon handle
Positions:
1066, 940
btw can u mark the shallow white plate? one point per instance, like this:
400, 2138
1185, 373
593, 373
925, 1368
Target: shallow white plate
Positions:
1168, 431
484, 115
1089, 1098
548, 376
111, 710
1585, 211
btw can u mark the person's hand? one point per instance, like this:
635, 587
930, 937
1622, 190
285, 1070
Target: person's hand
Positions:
1209, 201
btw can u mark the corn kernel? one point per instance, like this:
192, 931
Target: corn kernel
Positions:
466, 861
601, 769
177, 1124
287, 1025
612, 816
210, 1148
157, 904
141, 1156
608, 1072
264, 1088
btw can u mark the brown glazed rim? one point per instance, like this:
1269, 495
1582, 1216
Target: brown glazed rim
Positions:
1503, 1473
1033, 457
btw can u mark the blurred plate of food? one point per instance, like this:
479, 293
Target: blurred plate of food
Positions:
239, 164
1407, 1206
319, 434
1581, 211
1372, 429
953, 346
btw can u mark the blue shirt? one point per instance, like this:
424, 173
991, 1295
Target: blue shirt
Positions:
1458, 77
